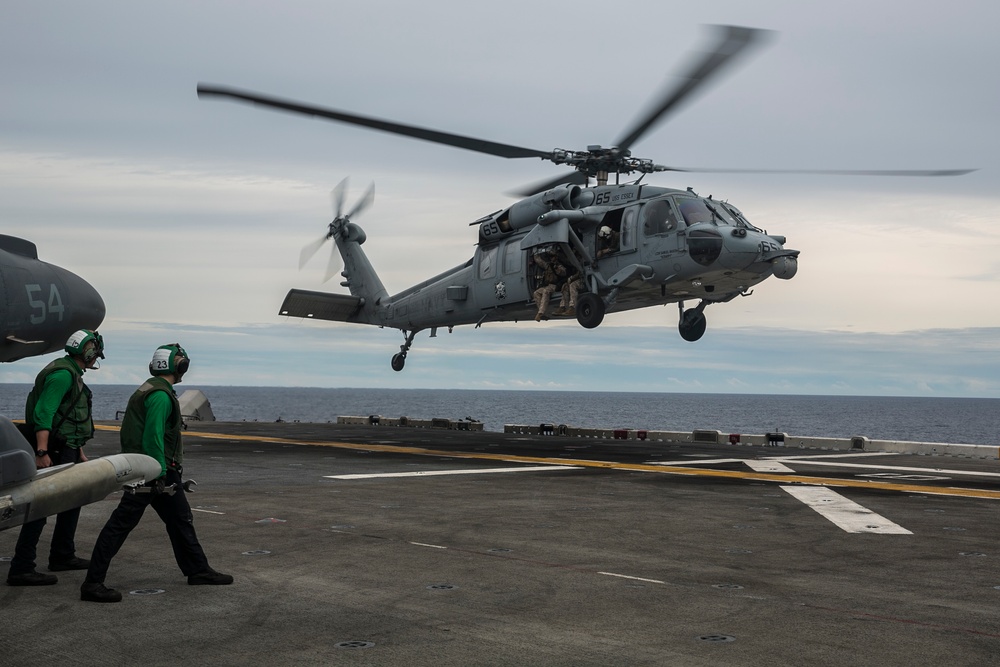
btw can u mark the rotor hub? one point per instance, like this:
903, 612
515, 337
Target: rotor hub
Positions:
598, 159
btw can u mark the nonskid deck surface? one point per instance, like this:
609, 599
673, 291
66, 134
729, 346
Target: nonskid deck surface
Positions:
388, 546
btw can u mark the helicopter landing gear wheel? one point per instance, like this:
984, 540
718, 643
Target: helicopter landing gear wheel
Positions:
589, 310
692, 325
398, 361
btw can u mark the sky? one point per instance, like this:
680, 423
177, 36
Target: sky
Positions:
188, 215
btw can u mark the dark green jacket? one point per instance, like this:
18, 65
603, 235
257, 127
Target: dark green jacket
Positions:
60, 401
152, 424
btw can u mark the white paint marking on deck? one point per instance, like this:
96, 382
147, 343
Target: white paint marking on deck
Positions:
943, 471
774, 464
195, 509
767, 466
852, 455
625, 576
432, 546
691, 462
432, 473
846, 514
901, 477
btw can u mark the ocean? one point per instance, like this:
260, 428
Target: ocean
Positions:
946, 420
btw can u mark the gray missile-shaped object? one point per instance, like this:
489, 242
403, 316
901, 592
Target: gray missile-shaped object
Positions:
27, 494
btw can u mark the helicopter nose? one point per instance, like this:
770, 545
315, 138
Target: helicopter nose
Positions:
740, 250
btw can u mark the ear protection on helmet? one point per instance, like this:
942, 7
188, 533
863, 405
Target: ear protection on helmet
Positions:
79, 345
170, 359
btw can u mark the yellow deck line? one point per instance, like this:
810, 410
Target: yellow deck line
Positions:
670, 470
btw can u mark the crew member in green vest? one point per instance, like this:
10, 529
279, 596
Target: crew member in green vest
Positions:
152, 426
59, 410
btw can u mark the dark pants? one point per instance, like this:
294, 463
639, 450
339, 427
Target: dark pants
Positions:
63, 547
174, 511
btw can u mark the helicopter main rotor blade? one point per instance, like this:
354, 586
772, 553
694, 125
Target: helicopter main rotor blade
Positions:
733, 44
434, 136
830, 172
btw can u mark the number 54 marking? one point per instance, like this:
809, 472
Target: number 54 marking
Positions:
53, 307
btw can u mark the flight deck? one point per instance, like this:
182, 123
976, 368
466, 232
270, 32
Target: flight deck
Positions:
360, 544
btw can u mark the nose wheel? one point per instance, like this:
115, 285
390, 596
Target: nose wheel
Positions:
399, 359
693, 323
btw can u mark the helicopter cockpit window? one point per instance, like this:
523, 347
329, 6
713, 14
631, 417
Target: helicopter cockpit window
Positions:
658, 217
488, 263
724, 215
694, 211
738, 214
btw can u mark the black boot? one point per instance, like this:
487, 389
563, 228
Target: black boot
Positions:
90, 592
31, 579
210, 578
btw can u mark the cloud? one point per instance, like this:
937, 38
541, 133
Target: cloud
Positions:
954, 362
188, 215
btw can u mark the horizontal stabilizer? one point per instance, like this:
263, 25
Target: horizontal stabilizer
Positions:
320, 305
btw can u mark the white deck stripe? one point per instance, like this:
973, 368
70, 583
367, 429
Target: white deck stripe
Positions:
763, 465
432, 546
432, 473
625, 576
846, 514
926, 471
767, 466
691, 462
852, 455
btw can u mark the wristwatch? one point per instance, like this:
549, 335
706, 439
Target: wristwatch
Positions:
41, 452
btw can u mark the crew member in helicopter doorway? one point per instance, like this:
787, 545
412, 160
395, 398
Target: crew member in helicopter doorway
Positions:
553, 274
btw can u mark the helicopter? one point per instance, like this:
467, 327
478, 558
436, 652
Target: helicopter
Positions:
40, 304
632, 245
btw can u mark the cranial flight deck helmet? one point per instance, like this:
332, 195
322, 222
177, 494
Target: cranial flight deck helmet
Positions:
170, 359
78, 345
604, 232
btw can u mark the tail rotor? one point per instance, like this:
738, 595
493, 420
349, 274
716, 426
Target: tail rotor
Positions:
336, 227
310, 249
365, 201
